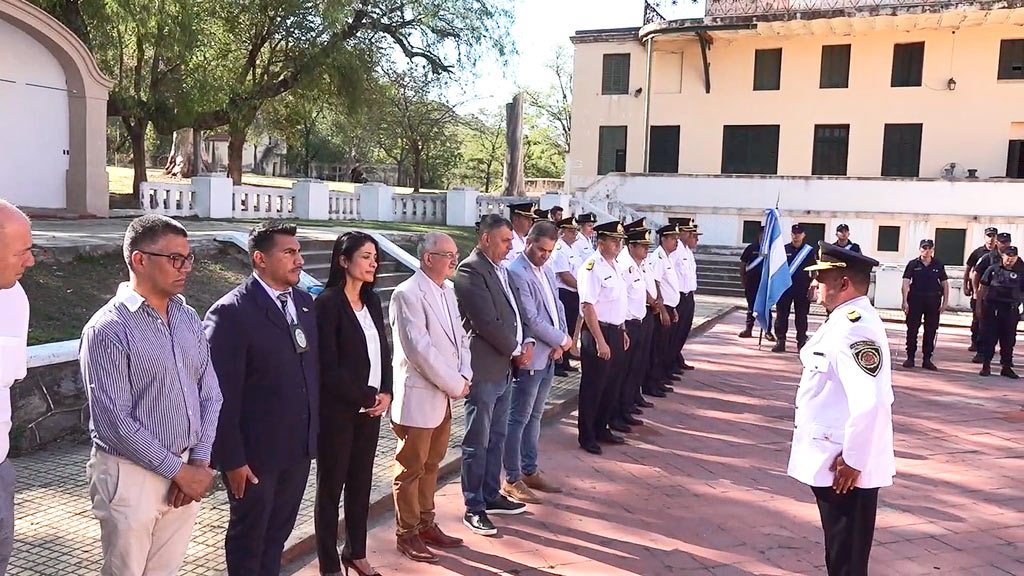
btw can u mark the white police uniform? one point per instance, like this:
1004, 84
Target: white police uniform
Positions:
584, 247
601, 285
518, 247
566, 259
661, 267
636, 285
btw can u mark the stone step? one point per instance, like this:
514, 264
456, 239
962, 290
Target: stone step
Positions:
721, 291
720, 275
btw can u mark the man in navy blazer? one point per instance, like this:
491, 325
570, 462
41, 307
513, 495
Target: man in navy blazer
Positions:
263, 342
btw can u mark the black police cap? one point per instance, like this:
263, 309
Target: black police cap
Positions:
541, 214
1003, 237
522, 209
842, 228
1009, 251
831, 256
640, 224
569, 222
797, 229
927, 244
991, 231
668, 230
613, 229
639, 236
587, 218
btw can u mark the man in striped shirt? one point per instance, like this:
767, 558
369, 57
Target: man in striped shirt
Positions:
153, 401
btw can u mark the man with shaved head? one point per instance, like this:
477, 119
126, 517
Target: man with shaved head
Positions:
15, 258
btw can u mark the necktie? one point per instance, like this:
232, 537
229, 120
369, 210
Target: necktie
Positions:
283, 297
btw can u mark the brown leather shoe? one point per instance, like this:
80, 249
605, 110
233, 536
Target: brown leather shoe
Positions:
433, 536
413, 548
519, 492
541, 483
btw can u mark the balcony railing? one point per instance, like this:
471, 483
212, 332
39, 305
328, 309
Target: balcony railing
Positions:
782, 7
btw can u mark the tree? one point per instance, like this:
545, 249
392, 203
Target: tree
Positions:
554, 104
543, 156
483, 150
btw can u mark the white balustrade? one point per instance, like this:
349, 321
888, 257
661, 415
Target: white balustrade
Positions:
343, 206
425, 208
496, 204
167, 199
259, 202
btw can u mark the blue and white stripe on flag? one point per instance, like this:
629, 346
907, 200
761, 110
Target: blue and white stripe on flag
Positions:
775, 276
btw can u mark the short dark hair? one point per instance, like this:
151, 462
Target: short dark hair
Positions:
261, 237
492, 222
145, 231
543, 229
556, 209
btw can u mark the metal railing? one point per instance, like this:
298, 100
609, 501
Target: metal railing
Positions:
777, 7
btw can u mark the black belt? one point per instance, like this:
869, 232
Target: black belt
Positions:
610, 326
634, 322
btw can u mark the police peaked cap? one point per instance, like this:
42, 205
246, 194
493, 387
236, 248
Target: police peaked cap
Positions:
831, 256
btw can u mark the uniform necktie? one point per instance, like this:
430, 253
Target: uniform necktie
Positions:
282, 298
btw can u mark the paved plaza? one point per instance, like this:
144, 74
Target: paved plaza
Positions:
701, 489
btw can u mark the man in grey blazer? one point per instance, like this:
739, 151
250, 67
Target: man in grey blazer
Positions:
431, 366
545, 315
499, 340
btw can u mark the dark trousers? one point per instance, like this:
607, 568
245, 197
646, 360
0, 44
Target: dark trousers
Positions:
801, 305
922, 306
571, 302
685, 310
637, 358
975, 323
347, 446
999, 323
849, 524
750, 292
686, 319
659, 352
263, 519
599, 383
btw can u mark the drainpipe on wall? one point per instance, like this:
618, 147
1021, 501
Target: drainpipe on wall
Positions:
647, 105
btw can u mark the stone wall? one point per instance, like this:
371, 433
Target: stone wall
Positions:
49, 404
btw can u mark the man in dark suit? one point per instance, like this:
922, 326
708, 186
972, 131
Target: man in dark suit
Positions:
490, 307
263, 342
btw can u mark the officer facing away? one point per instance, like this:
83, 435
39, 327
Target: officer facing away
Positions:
1000, 290
925, 294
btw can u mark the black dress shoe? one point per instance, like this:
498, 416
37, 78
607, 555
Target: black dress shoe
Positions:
479, 523
620, 427
636, 411
929, 365
629, 419
503, 506
978, 359
609, 438
779, 347
656, 392
1008, 372
645, 403
687, 366
972, 348
909, 362
986, 369
561, 373
592, 448
747, 333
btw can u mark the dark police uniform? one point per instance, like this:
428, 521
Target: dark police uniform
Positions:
851, 246
972, 262
601, 286
639, 326
753, 263
796, 297
1003, 290
924, 300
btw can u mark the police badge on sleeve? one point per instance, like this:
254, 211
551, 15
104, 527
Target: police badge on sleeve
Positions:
867, 355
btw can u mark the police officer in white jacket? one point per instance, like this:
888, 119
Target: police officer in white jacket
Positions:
842, 442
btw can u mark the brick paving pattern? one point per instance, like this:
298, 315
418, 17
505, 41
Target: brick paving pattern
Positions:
702, 489
57, 535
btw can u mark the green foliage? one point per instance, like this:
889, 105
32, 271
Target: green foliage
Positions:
483, 151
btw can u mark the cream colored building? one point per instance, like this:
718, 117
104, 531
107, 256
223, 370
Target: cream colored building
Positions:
844, 113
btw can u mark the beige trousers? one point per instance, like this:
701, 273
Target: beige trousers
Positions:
414, 478
142, 535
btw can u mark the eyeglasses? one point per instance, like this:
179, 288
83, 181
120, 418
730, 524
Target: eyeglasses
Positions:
178, 261
448, 255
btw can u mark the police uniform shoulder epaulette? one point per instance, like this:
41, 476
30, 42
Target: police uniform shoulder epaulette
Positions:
852, 315
590, 264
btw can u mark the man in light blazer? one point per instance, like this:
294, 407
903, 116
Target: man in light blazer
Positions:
431, 366
545, 315
498, 339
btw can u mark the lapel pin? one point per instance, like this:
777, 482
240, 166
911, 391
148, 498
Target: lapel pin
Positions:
304, 309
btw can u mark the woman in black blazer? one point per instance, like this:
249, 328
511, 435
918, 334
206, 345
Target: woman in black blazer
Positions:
355, 390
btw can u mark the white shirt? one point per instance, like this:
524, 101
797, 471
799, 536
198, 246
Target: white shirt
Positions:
14, 310
686, 266
664, 272
292, 314
518, 247
844, 402
602, 286
549, 293
372, 347
502, 272
636, 287
566, 259
584, 248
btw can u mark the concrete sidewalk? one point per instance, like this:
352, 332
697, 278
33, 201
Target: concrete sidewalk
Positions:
56, 534
702, 489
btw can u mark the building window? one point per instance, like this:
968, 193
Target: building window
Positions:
901, 150
1015, 160
907, 63
835, 66
611, 155
751, 228
949, 244
1011, 60
750, 149
888, 239
615, 79
831, 148
664, 150
815, 232
767, 69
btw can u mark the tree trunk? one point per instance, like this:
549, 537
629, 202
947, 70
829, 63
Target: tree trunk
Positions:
514, 153
255, 160
179, 160
137, 135
237, 134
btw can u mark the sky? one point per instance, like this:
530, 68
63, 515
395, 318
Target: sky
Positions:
540, 27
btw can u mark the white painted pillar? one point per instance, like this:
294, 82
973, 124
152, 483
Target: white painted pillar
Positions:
311, 199
888, 287
461, 207
213, 196
376, 202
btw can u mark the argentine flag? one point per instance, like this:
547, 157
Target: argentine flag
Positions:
775, 276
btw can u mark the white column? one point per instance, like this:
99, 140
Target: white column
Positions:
376, 202
888, 286
213, 196
311, 199
554, 199
461, 207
